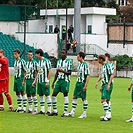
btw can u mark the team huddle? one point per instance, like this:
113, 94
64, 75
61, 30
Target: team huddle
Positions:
32, 73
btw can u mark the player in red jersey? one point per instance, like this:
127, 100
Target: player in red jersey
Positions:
4, 81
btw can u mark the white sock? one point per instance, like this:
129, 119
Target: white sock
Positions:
30, 103
35, 103
54, 103
85, 106
66, 101
42, 101
19, 101
74, 104
24, 102
49, 103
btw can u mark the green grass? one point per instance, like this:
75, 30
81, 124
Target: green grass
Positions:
11, 122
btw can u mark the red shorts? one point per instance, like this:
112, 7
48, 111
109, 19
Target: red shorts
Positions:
4, 86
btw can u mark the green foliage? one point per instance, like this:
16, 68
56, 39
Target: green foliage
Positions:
123, 62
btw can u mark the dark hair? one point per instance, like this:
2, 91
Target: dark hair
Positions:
107, 55
82, 54
101, 57
17, 51
30, 51
64, 50
39, 51
2, 51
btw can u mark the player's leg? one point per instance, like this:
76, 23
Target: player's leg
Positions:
65, 90
19, 102
104, 104
54, 104
54, 99
1, 102
75, 101
9, 99
66, 101
131, 120
35, 103
41, 95
28, 92
24, 98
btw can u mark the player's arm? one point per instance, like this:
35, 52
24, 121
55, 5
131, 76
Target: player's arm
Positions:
23, 83
3, 61
67, 73
55, 78
35, 80
98, 80
110, 81
86, 82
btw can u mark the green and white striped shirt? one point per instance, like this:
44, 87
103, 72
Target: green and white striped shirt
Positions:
82, 72
65, 65
31, 68
43, 69
20, 67
106, 71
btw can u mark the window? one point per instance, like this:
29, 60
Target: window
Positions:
50, 28
89, 29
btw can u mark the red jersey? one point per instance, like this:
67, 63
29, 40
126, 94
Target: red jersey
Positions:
4, 70
4, 74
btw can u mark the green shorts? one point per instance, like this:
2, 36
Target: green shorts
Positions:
61, 86
78, 91
106, 94
42, 90
29, 88
18, 85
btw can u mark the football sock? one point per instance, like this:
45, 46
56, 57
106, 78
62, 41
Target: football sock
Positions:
19, 101
1, 101
24, 102
35, 103
85, 106
74, 104
49, 103
8, 97
66, 104
54, 103
30, 103
105, 107
42, 101
109, 105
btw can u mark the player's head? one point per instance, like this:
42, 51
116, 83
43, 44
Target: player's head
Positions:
1, 53
39, 53
63, 54
107, 56
101, 59
80, 56
16, 53
30, 55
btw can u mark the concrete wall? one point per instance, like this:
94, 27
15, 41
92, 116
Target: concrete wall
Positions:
47, 42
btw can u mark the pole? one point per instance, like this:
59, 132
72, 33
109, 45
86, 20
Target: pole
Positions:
25, 32
66, 27
46, 17
57, 12
124, 34
77, 22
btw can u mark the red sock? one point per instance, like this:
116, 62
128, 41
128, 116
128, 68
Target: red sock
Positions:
8, 97
1, 100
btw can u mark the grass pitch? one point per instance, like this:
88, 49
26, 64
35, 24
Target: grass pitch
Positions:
11, 122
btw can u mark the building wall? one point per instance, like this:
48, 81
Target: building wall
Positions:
38, 40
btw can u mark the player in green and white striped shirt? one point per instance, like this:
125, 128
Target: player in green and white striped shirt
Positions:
31, 79
81, 85
64, 68
44, 74
19, 67
106, 75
